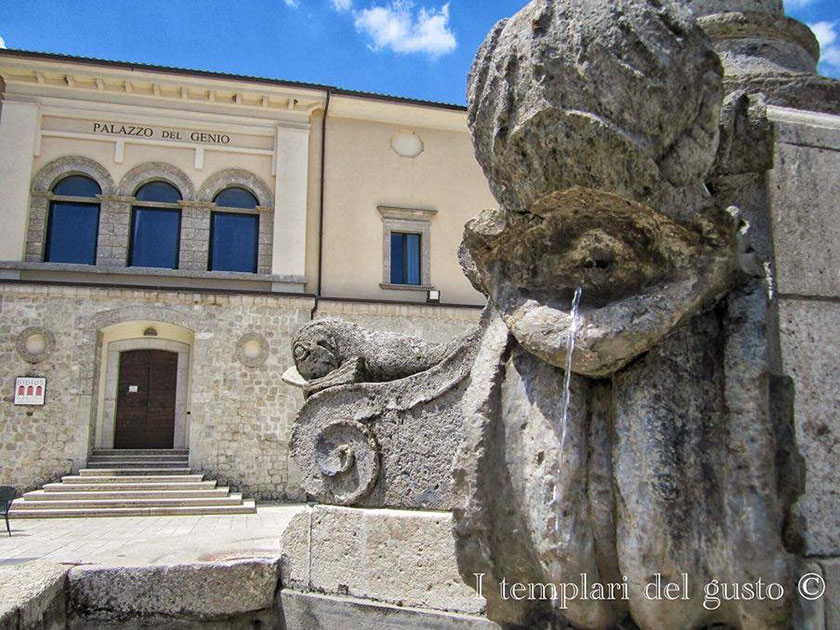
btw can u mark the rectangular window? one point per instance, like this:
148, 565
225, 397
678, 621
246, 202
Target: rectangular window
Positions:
233, 241
405, 258
72, 232
155, 238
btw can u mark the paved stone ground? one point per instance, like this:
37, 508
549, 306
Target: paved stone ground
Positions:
147, 540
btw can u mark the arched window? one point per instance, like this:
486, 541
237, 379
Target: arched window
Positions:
73, 222
234, 231
155, 226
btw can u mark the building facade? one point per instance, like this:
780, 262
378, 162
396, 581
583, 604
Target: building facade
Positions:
183, 225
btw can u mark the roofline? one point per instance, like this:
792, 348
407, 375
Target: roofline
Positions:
207, 74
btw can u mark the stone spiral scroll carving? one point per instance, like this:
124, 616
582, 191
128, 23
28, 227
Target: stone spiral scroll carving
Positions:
378, 404
343, 462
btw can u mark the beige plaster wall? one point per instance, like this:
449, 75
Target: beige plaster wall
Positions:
363, 172
18, 129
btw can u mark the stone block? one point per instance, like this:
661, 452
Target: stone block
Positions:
804, 190
295, 563
810, 348
397, 556
329, 612
336, 550
32, 596
201, 590
831, 598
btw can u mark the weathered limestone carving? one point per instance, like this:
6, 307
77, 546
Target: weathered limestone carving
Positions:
680, 462
643, 273
330, 352
622, 170
382, 419
764, 51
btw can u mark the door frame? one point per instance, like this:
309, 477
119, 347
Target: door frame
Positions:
106, 431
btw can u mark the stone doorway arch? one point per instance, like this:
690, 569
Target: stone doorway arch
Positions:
142, 335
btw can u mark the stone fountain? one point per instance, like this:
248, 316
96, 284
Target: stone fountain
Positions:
629, 170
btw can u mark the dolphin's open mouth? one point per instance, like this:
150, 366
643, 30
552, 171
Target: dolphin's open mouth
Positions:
293, 377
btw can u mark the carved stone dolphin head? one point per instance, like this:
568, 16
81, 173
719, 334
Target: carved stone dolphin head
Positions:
315, 351
641, 273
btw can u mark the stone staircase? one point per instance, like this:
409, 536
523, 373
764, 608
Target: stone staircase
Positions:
152, 482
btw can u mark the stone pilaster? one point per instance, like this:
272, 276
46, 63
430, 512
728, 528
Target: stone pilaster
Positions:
36, 230
195, 235
265, 239
114, 229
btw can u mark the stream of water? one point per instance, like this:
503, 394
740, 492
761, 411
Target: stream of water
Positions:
567, 388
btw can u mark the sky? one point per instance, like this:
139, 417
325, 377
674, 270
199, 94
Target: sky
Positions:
413, 48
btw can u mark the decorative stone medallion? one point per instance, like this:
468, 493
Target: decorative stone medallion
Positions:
252, 350
35, 343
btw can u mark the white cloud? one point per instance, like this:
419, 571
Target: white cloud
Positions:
792, 5
2, 43
292, 3
342, 5
402, 29
829, 39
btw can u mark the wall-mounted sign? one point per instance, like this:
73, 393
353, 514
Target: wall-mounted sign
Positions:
141, 131
261, 138
30, 390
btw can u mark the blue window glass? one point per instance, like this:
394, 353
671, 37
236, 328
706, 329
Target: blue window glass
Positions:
72, 232
233, 241
77, 186
73, 227
158, 191
155, 237
405, 258
236, 198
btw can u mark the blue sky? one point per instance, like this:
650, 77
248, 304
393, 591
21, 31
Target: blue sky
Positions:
414, 48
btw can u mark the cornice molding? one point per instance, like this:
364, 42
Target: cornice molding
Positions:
65, 77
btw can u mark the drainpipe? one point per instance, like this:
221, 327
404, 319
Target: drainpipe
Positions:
321, 202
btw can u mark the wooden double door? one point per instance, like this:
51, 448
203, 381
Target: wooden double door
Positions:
145, 413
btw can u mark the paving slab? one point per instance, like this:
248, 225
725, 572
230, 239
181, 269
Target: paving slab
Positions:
149, 540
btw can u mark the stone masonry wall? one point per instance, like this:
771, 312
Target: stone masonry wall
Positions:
240, 411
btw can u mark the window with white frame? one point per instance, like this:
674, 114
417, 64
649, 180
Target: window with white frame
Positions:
406, 248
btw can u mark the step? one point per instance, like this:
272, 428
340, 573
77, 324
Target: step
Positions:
47, 495
121, 472
140, 451
139, 458
147, 464
124, 485
27, 504
248, 507
101, 477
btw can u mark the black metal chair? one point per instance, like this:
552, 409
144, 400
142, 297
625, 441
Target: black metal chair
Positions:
7, 495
